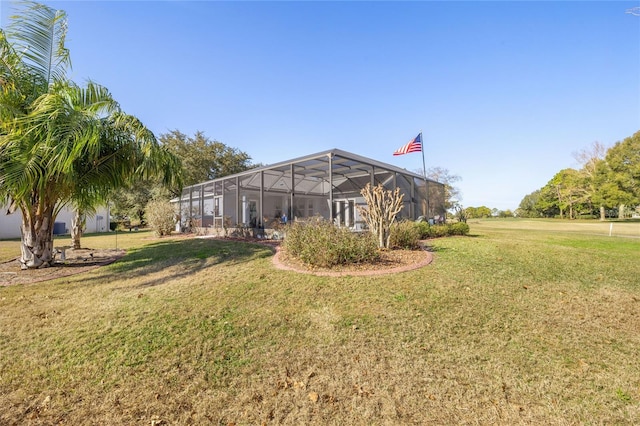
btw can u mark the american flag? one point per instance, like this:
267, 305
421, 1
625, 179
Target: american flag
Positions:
415, 145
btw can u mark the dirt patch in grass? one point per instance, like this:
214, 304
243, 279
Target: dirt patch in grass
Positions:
76, 262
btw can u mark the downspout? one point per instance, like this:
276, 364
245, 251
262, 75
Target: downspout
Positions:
291, 193
330, 155
262, 224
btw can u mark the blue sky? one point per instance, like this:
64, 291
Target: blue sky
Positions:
504, 92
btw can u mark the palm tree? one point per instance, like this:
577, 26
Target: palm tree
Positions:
61, 144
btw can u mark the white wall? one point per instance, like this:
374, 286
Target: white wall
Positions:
10, 224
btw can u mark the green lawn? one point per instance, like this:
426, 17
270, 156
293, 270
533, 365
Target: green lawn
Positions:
524, 322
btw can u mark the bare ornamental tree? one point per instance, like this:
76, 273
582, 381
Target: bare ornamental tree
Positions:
382, 208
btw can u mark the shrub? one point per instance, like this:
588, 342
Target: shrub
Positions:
320, 243
423, 228
405, 235
161, 216
436, 231
458, 228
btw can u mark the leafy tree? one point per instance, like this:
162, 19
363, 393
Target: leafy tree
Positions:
529, 205
129, 202
617, 179
591, 160
478, 212
461, 213
547, 202
572, 191
60, 144
203, 159
484, 211
471, 212
566, 193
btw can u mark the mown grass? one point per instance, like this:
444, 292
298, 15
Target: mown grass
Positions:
9, 249
509, 326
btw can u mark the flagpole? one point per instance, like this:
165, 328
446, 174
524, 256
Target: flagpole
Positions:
424, 174
424, 168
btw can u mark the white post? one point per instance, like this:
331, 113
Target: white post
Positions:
245, 207
610, 228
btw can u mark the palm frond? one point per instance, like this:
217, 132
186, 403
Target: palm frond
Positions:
38, 34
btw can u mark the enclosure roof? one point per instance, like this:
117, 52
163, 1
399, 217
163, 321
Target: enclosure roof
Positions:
345, 164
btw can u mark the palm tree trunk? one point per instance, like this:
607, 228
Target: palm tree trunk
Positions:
77, 225
36, 246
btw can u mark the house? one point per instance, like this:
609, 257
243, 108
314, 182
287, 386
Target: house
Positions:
10, 223
325, 184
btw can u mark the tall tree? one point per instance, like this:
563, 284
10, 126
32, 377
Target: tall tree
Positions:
572, 190
130, 202
61, 144
529, 205
547, 202
478, 212
204, 159
618, 178
591, 160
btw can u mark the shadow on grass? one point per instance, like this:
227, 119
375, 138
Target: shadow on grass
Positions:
182, 258
433, 249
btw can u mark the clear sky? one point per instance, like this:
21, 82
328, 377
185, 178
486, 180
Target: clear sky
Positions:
504, 92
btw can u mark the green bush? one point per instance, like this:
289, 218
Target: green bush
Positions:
458, 228
405, 235
423, 228
434, 231
322, 244
445, 230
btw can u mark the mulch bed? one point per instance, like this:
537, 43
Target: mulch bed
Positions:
390, 262
76, 262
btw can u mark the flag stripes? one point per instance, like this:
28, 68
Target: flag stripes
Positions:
415, 145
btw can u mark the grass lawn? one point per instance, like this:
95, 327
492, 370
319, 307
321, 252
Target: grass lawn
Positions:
516, 324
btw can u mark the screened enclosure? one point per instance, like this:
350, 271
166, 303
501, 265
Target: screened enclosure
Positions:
326, 184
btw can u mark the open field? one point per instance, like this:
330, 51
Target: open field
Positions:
513, 325
628, 228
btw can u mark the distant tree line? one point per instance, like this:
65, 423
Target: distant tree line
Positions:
484, 212
607, 185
